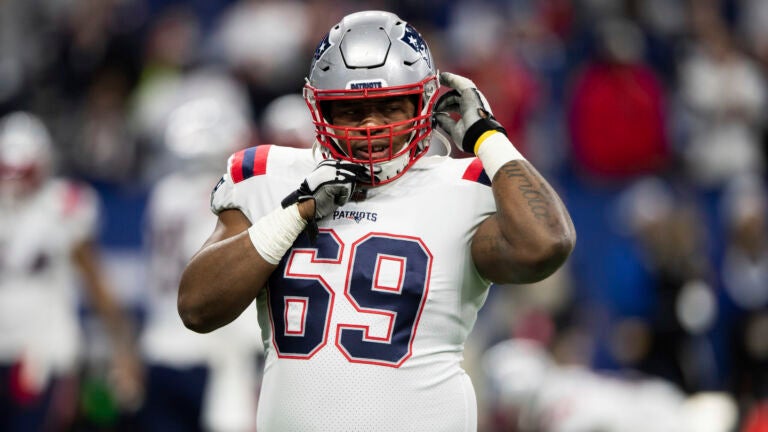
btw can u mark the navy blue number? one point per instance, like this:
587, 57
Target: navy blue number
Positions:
302, 333
387, 275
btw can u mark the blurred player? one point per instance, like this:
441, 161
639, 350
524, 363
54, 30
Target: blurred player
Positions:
195, 382
286, 122
47, 232
533, 393
364, 316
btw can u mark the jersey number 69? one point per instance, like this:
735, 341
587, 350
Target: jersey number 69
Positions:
387, 275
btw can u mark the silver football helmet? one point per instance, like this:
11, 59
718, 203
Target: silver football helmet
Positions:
373, 54
26, 154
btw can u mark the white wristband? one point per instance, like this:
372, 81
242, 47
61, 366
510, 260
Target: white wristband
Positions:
494, 150
274, 234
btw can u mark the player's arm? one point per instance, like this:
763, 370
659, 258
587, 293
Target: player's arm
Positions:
531, 234
126, 366
234, 264
224, 277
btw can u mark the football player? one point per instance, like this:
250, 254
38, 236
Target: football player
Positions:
286, 122
194, 382
532, 392
368, 260
48, 227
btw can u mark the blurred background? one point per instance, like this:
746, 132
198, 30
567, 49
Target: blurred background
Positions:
648, 117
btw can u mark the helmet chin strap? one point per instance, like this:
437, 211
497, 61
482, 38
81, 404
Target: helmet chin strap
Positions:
319, 152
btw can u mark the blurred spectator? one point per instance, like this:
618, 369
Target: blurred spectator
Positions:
672, 249
745, 279
170, 48
153, 112
485, 52
25, 55
757, 419
47, 250
265, 43
725, 97
286, 121
664, 24
617, 113
103, 146
752, 19
195, 382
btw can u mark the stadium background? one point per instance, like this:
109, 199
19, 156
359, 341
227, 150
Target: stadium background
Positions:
648, 116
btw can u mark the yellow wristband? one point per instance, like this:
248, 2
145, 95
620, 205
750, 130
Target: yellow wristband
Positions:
496, 151
483, 137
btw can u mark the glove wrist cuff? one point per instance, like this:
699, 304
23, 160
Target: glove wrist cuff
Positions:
495, 151
274, 233
299, 195
476, 131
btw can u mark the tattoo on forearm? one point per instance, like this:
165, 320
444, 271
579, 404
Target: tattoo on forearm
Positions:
538, 200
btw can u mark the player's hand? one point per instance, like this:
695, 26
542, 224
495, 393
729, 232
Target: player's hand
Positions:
330, 185
126, 378
475, 114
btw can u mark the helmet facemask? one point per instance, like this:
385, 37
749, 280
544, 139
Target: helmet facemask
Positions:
391, 147
367, 57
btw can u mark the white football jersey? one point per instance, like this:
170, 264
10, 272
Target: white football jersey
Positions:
365, 329
38, 280
178, 221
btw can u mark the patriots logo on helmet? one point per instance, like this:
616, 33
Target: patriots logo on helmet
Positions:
415, 41
322, 47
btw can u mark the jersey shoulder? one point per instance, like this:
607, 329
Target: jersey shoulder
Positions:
248, 168
455, 170
76, 203
266, 159
72, 197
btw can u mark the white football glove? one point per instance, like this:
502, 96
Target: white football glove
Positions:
330, 184
467, 101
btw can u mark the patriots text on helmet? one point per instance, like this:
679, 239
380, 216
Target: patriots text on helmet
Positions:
366, 85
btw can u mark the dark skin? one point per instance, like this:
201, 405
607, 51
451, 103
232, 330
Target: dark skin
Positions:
526, 240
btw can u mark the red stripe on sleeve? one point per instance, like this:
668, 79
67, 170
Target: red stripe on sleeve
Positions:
236, 167
260, 161
474, 170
